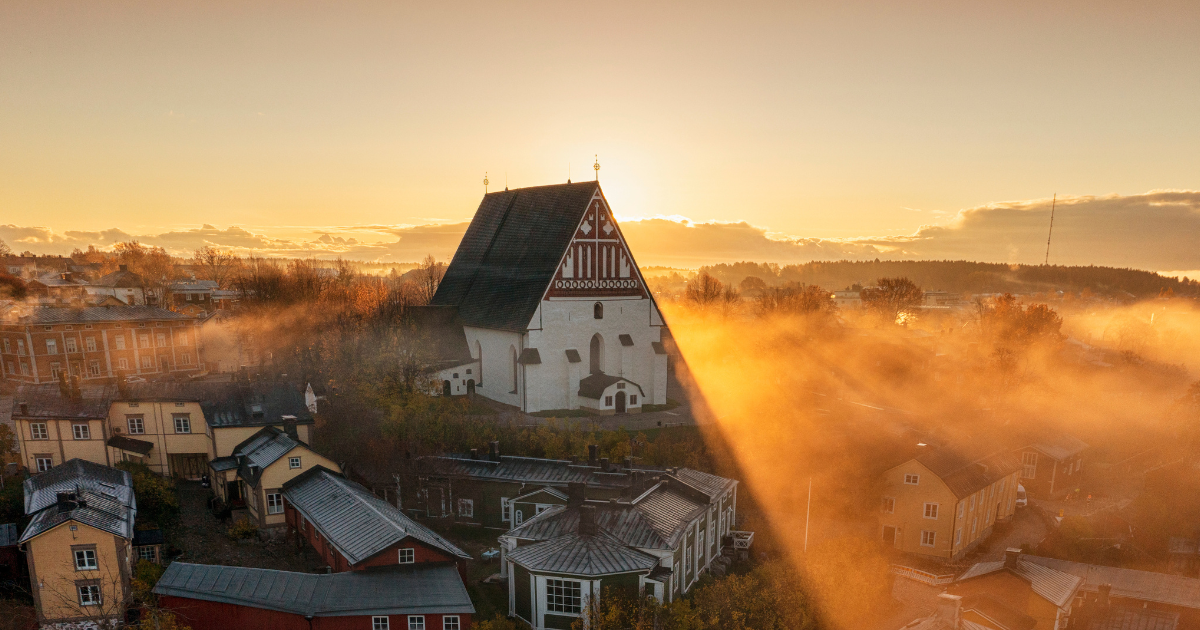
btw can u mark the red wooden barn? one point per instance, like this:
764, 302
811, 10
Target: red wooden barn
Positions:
416, 597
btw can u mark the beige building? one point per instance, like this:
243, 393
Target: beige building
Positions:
53, 428
79, 543
254, 474
942, 502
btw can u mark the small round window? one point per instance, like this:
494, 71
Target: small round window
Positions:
598, 311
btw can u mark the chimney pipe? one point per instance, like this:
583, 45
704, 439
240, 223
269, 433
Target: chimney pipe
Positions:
66, 502
949, 609
1102, 595
576, 493
1011, 556
587, 520
289, 427
24, 406
123, 267
593, 453
628, 463
474, 453
495, 450
604, 464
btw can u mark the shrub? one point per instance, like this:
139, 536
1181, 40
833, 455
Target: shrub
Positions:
243, 529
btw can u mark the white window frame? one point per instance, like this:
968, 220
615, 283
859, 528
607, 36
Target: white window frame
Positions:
958, 536
39, 431
90, 344
889, 505
275, 506
466, 508
451, 622
70, 345
122, 364
51, 346
406, 555
81, 431
962, 508
380, 623
293, 462
187, 423
912, 480
928, 538
416, 622
505, 509
119, 340
136, 425
1029, 461
931, 511
567, 589
89, 595
149, 553
85, 560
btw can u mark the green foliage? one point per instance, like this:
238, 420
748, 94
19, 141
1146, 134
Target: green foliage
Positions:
145, 576
157, 500
12, 501
243, 529
157, 619
892, 296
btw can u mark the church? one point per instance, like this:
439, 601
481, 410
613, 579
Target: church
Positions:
555, 312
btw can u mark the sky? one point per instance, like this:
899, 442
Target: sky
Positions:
849, 125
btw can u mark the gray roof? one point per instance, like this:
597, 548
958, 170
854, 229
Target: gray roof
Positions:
194, 285
1146, 586
41, 490
575, 554
223, 463
122, 278
1056, 587
47, 401
262, 449
510, 253
355, 521
256, 405
1121, 618
96, 509
89, 314
1060, 446
440, 334
141, 447
593, 385
965, 474
416, 589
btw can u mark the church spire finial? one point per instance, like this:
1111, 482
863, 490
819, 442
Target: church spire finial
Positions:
485, 182
596, 167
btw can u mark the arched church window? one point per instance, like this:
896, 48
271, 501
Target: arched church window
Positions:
596, 354
598, 311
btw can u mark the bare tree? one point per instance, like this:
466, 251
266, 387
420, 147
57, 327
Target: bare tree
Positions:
892, 297
215, 264
4, 248
429, 275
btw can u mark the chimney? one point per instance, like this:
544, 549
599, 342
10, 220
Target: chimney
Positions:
289, 427
123, 267
587, 520
593, 452
495, 451
66, 502
24, 406
576, 493
1011, 556
629, 463
1103, 593
949, 609
604, 464
474, 453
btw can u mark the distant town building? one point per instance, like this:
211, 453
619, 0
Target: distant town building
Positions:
555, 312
123, 284
1051, 465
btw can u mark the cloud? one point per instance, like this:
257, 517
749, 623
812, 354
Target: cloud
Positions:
1158, 230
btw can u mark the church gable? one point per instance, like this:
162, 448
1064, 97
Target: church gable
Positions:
597, 262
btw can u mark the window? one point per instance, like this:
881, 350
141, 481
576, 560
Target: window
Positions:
519, 517
889, 505
912, 479
1029, 465
90, 344
598, 311
466, 508
44, 463
144, 340
21, 347
122, 364
7, 348
51, 346
379, 623
120, 341
147, 362
81, 431
962, 505
407, 555
186, 358
633, 399
161, 338
927, 538
71, 345
931, 510
564, 596
274, 503
148, 553
135, 424
55, 368
293, 462
24, 369
505, 509
608, 401
94, 368
85, 559
416, 622
450, 622
958, 536
188, 297
38, 431
183, 423
1078, 464
89, 593
181, 339
973, 502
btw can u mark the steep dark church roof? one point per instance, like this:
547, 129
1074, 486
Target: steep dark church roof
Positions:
510, 253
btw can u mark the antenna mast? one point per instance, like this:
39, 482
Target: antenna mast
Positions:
1052, 203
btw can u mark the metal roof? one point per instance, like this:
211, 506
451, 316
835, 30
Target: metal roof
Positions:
1146, 586
95, 509
711, 485
261, 450
89, 314
593, 386
1060, 446
41, 490
583, 555
355, 521
510, 252
47, 401
1056, 587
141, 447
412, 590
256, 405
223, 463
550, 490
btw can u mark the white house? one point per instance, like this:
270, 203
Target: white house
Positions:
554, 309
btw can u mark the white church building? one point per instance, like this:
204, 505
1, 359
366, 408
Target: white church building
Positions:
555, 312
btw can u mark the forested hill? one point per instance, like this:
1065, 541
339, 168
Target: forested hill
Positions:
962, 276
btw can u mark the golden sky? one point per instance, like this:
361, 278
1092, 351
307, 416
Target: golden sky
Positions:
808, 119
